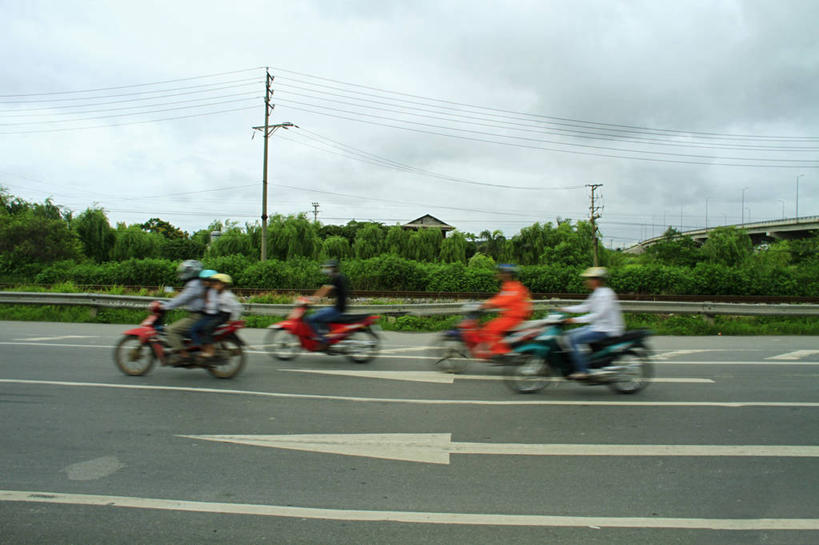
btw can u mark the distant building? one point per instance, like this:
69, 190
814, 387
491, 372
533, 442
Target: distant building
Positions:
428, 222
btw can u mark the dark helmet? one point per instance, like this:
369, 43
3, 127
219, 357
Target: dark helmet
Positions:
508, 268
188, 269
330, 266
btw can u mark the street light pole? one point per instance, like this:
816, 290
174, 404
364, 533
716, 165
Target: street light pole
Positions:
797, 196
743, 206
267, 129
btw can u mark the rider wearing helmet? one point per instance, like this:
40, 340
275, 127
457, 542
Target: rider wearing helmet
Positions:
220, 306
337, 287
192, 298
514, 302
603, 318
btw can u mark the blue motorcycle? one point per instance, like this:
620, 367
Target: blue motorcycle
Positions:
622, 363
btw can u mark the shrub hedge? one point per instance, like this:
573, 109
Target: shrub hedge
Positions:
389, 272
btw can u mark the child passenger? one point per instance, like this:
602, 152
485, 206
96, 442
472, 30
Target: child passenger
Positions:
224, 305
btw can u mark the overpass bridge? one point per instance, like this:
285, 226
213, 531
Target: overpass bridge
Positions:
760, 232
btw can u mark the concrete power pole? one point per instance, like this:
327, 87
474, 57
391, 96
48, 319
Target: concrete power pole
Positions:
315, 212
594, 215
267, 129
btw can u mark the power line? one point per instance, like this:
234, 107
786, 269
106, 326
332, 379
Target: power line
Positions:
526, 146
548, 117
135, 84
539, 126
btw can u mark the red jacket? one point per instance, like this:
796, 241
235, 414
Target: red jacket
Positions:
514, 299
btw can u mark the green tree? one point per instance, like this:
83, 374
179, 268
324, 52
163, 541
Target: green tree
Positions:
95, 233
369, 241
396, 240
133, 242
232, 242
162, 227
336, 247
453, 248
727, 246
424, 245
674, 249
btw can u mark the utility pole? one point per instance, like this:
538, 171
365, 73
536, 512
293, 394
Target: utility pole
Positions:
267, 129
593, 216
315, 212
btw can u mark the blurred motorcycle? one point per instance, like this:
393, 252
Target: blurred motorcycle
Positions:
622, 363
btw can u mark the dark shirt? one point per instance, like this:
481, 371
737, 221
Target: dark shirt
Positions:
339, 283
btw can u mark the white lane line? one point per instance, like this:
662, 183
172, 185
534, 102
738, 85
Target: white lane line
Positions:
406, 349
724, 404
430, 358
418, 517
798, 354
449, 378
436, 448
57, 338
674, 353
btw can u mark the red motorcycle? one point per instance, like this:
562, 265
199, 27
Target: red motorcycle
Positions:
453, 349
140, 347
350, 334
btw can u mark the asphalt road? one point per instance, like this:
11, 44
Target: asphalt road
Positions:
89, 455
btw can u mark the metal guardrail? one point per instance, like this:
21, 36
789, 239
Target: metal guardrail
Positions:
425, 309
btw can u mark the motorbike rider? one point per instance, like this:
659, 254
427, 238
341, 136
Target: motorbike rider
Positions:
514, 302
337, 287
603, 318
192, 298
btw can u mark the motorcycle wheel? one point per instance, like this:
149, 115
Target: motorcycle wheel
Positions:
133, 357
361, 346
449, 354
529, 375
230, 359
281, 344
636, 373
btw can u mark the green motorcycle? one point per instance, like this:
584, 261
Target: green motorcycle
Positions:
622, 363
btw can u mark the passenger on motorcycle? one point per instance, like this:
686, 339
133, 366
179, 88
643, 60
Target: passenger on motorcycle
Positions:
603, 317
514, 302
337, 287
223, 306
192, 298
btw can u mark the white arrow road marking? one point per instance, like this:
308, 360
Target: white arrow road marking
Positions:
406, 349
417, 517
798, 354
449, 378
674, 353
509, 403
57, 338
435, 448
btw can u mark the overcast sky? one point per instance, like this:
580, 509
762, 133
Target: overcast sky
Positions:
487, 115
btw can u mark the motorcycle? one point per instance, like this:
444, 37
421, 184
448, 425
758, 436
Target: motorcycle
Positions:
623, 363
454, 349
350, 334
140, 348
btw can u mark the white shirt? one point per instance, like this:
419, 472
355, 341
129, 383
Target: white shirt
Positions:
603, 312
229, 303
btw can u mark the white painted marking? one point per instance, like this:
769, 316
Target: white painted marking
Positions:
435, 448
674, 353
418, 517
516, 402
57, 338
97, 468
449, 378
430, 358
798, 354
406, 349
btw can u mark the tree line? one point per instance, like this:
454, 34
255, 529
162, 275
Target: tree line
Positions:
48, 241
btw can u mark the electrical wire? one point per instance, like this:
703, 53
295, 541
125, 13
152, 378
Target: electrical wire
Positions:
547, 117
